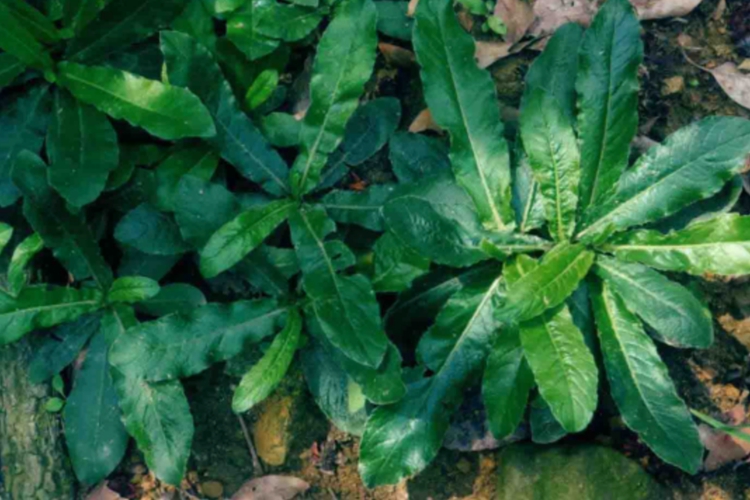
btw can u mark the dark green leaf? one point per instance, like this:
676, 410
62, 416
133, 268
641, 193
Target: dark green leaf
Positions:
527, 198
94, 434
6, 232
607, 87
33, 21
262, 88
10, 68
363, 208
201, 208
261, 269
258, 383
18, 41
369, 129
677, 317
197, 160
396, 265
191, 65
721, 203
180, 345
131, 289
415, 157
462, 100
136, 263
243, 29
174, 298
287, 22
66, 234
344, 306
150, 231
545, 429
82, 149
60, 347
25, 251
281, 129
641, 386
197, 22
344, 63
393, 21
78, 13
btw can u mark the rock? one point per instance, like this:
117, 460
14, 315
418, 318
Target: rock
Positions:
271, 431
212, 489
585, 472
673, 85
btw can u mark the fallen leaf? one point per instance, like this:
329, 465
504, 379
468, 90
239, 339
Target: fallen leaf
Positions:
424, 121
397, 56
735, 83
744, 65
673, 85
487, 53
517, 16
721, 8
659, 9
412, 8
551, 14
466, 20
271, 488
722, 448
102, 492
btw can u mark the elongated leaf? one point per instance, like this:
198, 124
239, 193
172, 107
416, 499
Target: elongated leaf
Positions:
150, 231
344, 306
281, 129
415, 157
462, 100
369, 129
10, 68
119, 25
550, 142
33, 21
506, 384
240, 236
164, 111
400, 440
82, 148
42, 307
362, 208
196, 20
258, 383
396, 265
501, 245
527, 199
61, 346
261, 269
607, 87
78, 13
23, 120
545, 429
131, 289
137, 263
438, 220
94, 434
549, 284
174, 298
180, 345
18, 41
224, 6
198, 160
290, 23
243, 29
6, 232
191, 65
393, 19
344, 63
22, 255
156, 415
677, 317
66, 234
721, 203
716, 246
693, 163
201, 208
641, 386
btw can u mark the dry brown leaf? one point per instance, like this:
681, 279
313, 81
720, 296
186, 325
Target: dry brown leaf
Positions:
397, 56
735, 83
271, 488
723, 448
721, 8
102, 492
551, 14
412, 8
487, 53
424, 121
517, 16
659, 9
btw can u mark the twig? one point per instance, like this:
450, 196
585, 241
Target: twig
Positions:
257, 467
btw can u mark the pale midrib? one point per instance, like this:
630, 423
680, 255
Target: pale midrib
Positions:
657, 247
352, 207
29, 49
558, 193
560, 275
480, 172
53, 307
529, 205
245, 230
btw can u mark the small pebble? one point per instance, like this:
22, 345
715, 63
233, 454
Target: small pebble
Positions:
212, 489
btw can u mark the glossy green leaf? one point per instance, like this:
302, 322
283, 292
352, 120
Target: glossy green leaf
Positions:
364, 208
286, 22
462, 100
716, 246
137, 263
527, 198
18, 41
180, 345
120, 24
401, 439
201, 208
131, 289
6, 232
43, 307
82, 149
240, 236
10, 68
344, 305
258, 383
61, 346
692, 164
168, 112
607, 87
501, 245
197, 21
262, 88
344, 63
262, 270
415, 157
437, 219
68, 235
95, 437
549, 284
545, 429
395, 265
551, 145
173, 298
197, 160
676, 316
224, 6
369, 129
150, 231
79, 13
281, 129
33, 21
641, 386
23, 120
243, 29
17, 275
506, 384
191, 65
393, 20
